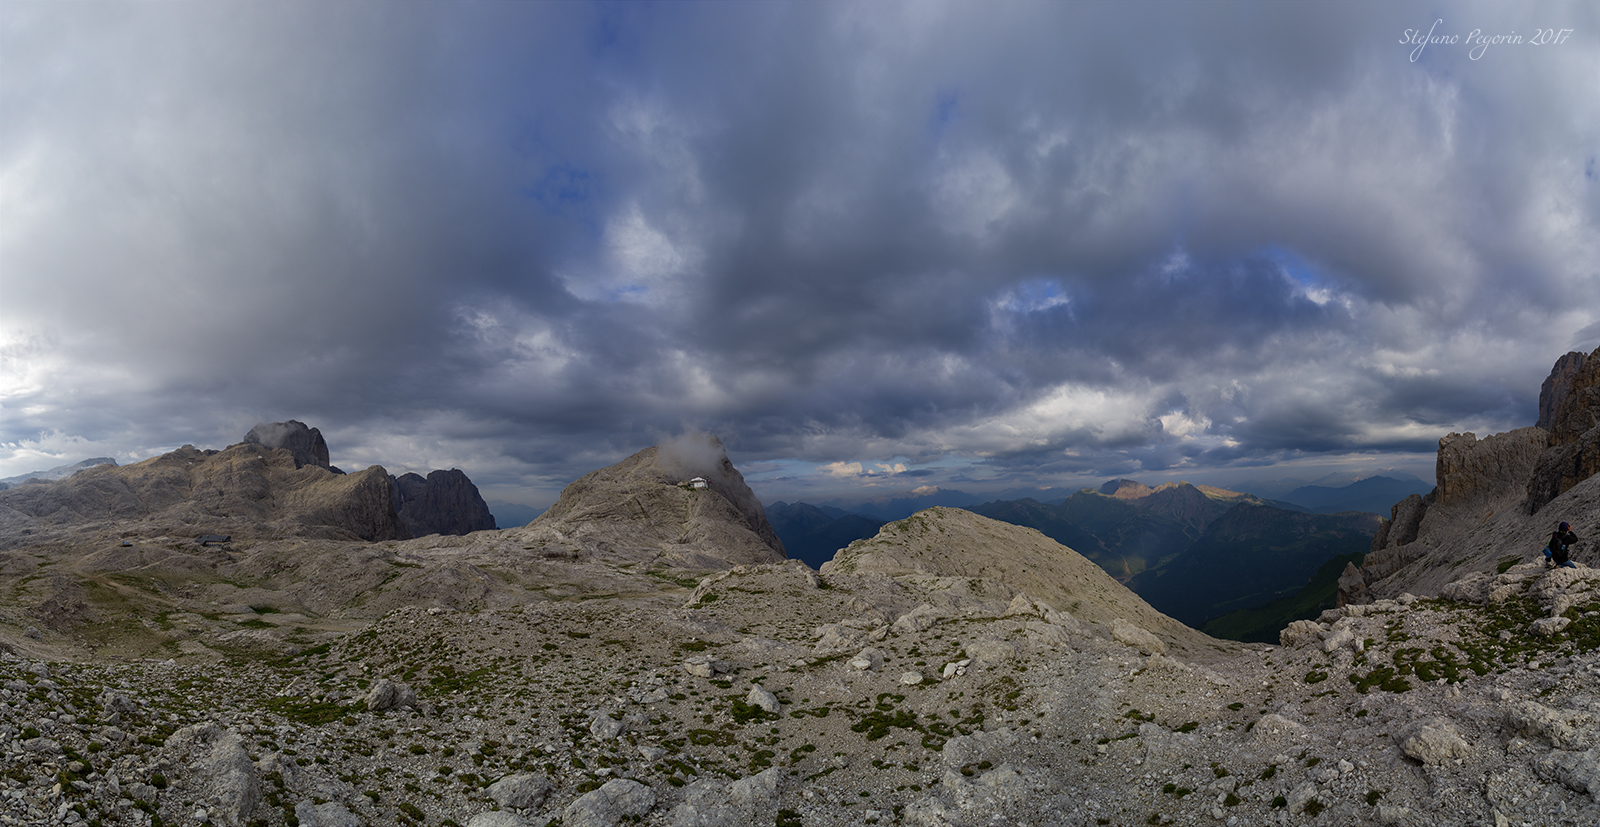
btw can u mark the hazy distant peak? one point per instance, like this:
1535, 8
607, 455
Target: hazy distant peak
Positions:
60, 471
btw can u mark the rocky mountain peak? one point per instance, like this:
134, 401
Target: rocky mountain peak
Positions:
304, 443
1126, 489
645, 507
444, 502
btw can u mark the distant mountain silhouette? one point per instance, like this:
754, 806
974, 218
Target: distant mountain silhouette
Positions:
893, 508
813, 533
1373, 494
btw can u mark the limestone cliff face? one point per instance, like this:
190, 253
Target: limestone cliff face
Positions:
276, 483
1476, 479
247, 491
1482, 482
644, 508
1557, 387
1574, 452
445, 502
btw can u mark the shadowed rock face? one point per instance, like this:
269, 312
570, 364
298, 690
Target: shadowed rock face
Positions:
446, 502
643, 508
305, 444
1557, 387
1574, 453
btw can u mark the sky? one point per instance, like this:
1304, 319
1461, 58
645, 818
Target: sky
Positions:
874, 247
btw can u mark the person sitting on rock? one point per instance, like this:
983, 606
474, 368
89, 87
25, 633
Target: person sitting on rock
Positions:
1558, 551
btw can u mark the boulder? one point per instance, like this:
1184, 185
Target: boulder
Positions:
329, 814
218, 772
523, 791
1128, 634
385, 694
713, 803
767, 701
607, 806
494, 818
1433, 742
1298, 632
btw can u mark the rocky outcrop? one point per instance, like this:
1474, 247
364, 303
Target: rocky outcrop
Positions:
999, 560
1480, 482
644, 507
1476, 479
445, 502
305, 444
1557, 387
1574, 452
1488, 473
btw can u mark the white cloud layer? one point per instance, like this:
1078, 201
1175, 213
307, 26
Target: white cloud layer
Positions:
1008, 244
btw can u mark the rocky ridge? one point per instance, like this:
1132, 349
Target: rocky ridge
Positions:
951, 671
276, 483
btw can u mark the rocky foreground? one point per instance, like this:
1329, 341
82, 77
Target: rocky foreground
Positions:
770, 695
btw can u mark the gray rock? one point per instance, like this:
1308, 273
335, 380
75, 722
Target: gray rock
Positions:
446, 502
920, 619
1564, 730
868, 659
524, 791
219, 772
331, 814
386, 694
1577, 771
1338, 639
1130, 635
608, 805
643, 505
1549, 626
1434, 742
605, 728
305, 444
1298, 632
496, 818
762, 698
713, 803
704, 666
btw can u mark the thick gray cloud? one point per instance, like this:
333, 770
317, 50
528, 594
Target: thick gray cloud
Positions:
913, 243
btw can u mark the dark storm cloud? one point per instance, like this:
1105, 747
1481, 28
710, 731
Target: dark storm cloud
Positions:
1048, 239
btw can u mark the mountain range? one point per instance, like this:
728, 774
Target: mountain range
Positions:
1169, 543
644, 654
